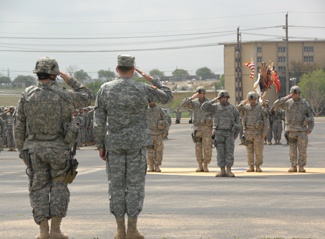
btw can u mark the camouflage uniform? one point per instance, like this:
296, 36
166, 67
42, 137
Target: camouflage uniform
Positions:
226, 129
42, 120
120, 127
78, 120
178, 116
255, 123
298, 119
202, 129
2, 129
277, 128
169, 122
9, 120
269, 134
157, 123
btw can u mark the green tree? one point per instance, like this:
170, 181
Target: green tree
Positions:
313, 90
156, 73
179, 73
204, 73
24, 80
5, 79
298, 69
108, 75
81, 75
221, 83
94, 87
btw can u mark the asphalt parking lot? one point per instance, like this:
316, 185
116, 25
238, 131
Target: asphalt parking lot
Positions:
182, 204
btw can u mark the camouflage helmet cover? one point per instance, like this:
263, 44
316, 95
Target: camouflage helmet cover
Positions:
252, 95
125, 60
223, 93
47, 65
295, 89
200, 89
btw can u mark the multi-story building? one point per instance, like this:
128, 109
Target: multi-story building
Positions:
237, 81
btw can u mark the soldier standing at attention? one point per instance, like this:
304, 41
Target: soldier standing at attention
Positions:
202, 128
226, 130
122, 135
44, 135
256, 125
299, 120
157, 124
277, 118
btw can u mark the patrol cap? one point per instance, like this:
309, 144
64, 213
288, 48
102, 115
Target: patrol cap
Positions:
125, 60
200, 89
47, 65
252, 95
295, 89
223, 93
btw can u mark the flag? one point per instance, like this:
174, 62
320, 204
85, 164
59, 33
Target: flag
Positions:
251, 66
276, 81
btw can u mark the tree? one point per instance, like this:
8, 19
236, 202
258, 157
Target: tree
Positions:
24, 80
108, 75
313, 89
71, 69
180, 73
220, 85
156, 73
4, 79
81, 75
298, 69
204, 73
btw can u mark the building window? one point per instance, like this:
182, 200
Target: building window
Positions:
308, 48
281, 59
259, 59
281, 49
308, 58
259, 49
258, 69
281, 69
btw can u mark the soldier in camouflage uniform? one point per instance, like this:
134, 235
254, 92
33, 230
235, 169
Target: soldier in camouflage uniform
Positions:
44, 136
2, 129
256, 125
157, 124
277, 118
169, 121
77, 120
9, 120
269, 134
203, 122
122, 136
226, 130
299, 120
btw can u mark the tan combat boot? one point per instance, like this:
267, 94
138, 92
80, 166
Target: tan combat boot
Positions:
120, 233
205, 167
229, 173
132, 232
222, 173
157, 169
293, 169
200, 168
258, 169
301, 169
55, 229
151, 168
44, 230
250, 169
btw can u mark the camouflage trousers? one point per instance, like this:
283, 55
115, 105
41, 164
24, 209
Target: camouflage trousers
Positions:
49, 194
10, 138
277, 129
126, 171
269, 134
155, 152
225, 144
254, 147
298, 140
203, 146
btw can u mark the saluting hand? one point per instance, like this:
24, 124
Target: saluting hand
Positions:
145, 75
65, 76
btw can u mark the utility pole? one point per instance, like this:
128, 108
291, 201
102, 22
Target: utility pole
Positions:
287, 56
238, 70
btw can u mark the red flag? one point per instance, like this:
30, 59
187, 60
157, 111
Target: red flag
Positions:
276, 81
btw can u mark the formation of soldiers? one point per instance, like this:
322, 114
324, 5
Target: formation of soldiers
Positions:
6, 128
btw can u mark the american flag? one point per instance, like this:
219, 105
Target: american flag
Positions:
251, 66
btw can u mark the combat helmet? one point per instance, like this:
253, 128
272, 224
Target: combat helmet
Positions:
200, 89
223, 93
47, 65
252, 95
295, 89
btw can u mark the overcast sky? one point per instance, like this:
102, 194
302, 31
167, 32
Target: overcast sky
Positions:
162, 34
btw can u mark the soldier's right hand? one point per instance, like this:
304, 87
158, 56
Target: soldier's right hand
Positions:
65, 76
102, 154
194, 96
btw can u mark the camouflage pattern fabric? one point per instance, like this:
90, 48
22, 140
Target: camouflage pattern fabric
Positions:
298, 119
255, 123
226, 128
120, 127
277, 128
9, 131
42, 113
203, 146
2, 129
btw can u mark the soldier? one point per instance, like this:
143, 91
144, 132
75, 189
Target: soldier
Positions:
169, 121
202, 128
78, 120
178, 116
269, 134
122, 136
9, 120
226, 130
157, 124
256, 125
44, 135
299, 120
277, 118
2, 129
